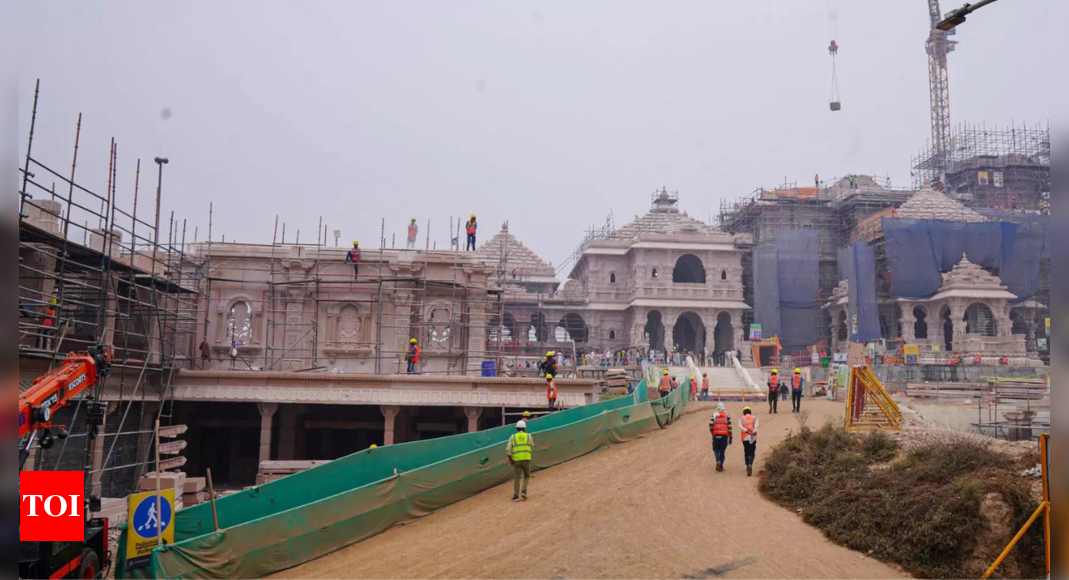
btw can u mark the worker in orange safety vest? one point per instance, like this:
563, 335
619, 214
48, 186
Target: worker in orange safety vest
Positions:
666, 386
773, 392
48, 323
471, 228
720, 428
705, 386
748, 429
693, 388
797, 387
413, 233
551, 392
413, 356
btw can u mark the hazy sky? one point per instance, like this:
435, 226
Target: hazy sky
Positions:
547, 114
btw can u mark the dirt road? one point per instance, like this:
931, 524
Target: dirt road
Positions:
651, 508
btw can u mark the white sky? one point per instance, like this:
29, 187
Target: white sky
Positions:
547, 114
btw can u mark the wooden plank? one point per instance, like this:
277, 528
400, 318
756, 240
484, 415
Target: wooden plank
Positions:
173, 447
174, 463
173, 431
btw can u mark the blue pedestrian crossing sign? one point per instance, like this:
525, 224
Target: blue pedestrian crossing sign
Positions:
147, 518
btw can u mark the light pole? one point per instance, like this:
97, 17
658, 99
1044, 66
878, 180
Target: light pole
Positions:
160, 161
956, 17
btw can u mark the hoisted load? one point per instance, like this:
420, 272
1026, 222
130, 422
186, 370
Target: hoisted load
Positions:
833, 50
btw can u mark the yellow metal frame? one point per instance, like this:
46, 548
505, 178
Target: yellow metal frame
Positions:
1044, 510
863, 383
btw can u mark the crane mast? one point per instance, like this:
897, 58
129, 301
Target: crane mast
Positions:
938, 47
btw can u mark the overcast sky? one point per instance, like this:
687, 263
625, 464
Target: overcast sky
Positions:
546, 114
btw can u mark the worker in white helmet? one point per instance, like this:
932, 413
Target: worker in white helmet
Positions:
519, 452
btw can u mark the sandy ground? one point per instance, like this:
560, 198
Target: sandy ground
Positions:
650, 508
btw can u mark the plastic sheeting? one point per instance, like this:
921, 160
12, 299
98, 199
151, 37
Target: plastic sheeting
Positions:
857, 263
766, 292
314, 513
919, 251
786, 286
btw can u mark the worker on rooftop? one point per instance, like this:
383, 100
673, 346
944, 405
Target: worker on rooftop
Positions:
353, 257
720, 428
471, 228
748, 429
413, 356
773, 392
413, 233
549, 366
797, 387
520, 451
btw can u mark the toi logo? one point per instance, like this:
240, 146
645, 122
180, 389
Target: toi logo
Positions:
51, 506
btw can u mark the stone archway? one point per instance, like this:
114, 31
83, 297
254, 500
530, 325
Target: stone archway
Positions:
920, 327
979, 319
724, 335
689, 270
654, 330
689, 333
574, 328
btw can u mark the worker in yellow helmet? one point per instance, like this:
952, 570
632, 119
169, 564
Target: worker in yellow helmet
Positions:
665, 388
413, 356
549, 366
520, 451
471, 228
353, 257
797, 387
551, 392
413, 233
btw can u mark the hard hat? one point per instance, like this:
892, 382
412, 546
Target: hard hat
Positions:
549, 354
472, 216
775, 371
413, 341
549, 377
53, 301
356, 242
526, 414
797, 371
373, 446
747, 410
413, 219
522, 425
666, 373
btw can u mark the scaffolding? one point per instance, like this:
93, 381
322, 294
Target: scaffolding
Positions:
92, 273
1001, 168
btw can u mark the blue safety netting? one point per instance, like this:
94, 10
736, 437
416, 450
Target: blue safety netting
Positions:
857, 263
786, 285
919, 251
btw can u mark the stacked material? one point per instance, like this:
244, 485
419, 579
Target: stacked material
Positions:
275, 470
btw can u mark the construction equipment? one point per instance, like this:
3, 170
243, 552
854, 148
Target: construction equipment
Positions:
868, 404
833, 50
82, 373
938, 46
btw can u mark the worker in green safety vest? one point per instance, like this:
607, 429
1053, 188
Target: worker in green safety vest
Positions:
519, 449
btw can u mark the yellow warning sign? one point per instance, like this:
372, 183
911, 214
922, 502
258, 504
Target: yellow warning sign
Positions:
148, 516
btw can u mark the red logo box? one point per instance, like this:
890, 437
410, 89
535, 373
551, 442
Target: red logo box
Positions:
51, 506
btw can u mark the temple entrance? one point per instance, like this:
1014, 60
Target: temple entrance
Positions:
920, 327
654, 330
724, 335
689, 333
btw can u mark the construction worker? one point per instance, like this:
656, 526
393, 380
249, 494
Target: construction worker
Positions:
551, 392
353, 257
48, 322
773, 392
797, 386
705, 386
1004, 361
693, 388
413, 233
549, 366
526, 415
816, 180
471, 228
783, 390
519, 451
666, 385
979, 360
748, 429
413, 356
720, 428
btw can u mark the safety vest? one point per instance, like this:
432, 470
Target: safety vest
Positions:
705, 384
979, 359
666, 384
521, 447
471, 228
796, 383
749, 427
721, 425
774, 382
49, 315
693, 386
415, 353
412, 231
356, 254
551, 391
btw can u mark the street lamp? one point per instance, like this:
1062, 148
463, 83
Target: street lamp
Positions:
957, 16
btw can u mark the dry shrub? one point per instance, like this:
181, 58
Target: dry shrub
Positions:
922, 513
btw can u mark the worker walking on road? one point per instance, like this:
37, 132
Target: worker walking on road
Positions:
693, 388
720, 428
705, 386
413, 356
666, 386
520, 451
748, 429
353, 257
797, 387
551, 392
783, 390
471, 228
773, 392
413, 233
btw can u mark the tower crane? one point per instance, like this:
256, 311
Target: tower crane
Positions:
938, 47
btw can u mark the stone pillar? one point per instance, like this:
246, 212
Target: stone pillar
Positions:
909, 321
957, 318
287, 432
390, 413
267, 417
473, 414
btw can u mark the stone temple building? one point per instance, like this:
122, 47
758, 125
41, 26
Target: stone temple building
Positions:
665, 280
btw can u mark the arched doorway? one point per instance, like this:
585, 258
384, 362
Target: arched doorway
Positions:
689, 333
689, 270
574, 328
654, 330
920, 327
843, 330
1019, 324
948, 329
980, 320
724, 335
